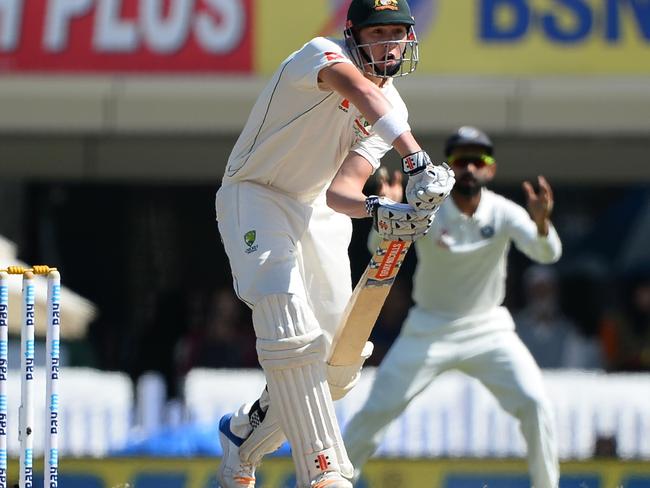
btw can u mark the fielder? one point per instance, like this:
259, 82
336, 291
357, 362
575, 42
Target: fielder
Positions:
292, 182
457, 321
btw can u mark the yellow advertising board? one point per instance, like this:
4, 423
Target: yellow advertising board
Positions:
484, 37
277, 472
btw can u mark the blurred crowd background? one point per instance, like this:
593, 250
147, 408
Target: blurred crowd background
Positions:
114, 137
150, 258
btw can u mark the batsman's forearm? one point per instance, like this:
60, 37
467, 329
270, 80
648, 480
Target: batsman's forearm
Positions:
348, 82
406, 144
371, 102
352, 205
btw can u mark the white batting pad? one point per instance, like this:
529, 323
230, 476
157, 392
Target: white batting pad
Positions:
268, 436
291, 349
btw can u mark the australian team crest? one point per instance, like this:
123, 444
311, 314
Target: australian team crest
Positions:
249, 239
386, 5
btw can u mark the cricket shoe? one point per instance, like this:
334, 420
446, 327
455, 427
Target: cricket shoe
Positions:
330, 479
233, 472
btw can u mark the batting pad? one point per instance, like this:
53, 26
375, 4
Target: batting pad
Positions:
342, 379
266, 437
291, 349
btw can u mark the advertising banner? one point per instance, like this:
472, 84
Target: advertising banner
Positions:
486, 37
150, 36
457, 37
277, 472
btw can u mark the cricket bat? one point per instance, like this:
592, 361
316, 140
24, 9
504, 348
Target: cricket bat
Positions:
366, 302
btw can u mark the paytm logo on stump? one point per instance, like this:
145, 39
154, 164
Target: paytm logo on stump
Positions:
562, 21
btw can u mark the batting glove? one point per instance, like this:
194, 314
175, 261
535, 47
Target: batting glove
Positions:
397, 221
429, 185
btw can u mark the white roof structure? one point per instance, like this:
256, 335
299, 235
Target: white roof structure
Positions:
76, 311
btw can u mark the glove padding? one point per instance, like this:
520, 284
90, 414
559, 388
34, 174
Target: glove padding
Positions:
427, 189
398, 221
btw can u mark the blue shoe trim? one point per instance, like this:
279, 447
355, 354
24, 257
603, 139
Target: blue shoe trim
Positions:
224, 428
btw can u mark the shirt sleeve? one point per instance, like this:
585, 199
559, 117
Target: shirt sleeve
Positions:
523, 231
372, 148
306, 63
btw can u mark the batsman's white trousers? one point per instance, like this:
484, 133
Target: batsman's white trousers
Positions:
483, 346
297, 248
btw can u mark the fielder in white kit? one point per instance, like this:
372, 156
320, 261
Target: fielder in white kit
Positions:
457, 321
315, 135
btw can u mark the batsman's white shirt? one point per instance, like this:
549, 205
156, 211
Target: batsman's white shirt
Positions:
277, 230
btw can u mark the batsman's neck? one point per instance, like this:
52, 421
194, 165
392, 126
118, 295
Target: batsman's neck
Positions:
380, 82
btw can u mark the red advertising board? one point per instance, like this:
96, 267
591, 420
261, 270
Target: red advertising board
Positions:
126, 36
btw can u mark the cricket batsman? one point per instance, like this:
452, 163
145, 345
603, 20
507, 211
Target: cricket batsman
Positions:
292, 182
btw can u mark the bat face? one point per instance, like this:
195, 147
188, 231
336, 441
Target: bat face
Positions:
366, 302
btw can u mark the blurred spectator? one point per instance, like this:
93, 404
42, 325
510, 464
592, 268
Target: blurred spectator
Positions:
628, 339
606, 446
540, 324
552, 338
155, 344
216, 338
587, 299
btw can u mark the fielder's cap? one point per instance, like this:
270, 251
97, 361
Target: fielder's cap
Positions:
363, 13
468, 136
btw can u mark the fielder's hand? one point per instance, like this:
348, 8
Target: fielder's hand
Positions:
540, 204
397, 221
428, 185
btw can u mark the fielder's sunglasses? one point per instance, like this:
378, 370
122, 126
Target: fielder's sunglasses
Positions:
478, 160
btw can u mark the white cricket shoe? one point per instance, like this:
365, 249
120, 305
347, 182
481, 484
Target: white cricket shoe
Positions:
233, 472
330, 479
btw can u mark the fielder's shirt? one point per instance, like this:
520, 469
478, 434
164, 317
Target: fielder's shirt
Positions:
462, 260
461, 269
298, 135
